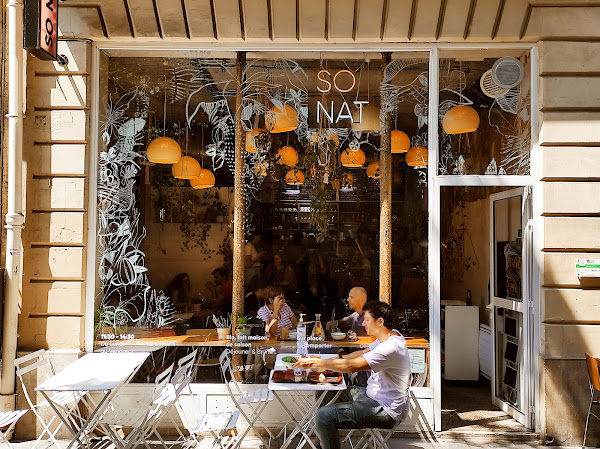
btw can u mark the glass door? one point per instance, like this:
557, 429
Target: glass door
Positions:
510, 299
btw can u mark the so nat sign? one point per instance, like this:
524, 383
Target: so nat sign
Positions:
343, 81
41, 28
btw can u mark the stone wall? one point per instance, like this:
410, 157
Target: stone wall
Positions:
570, 156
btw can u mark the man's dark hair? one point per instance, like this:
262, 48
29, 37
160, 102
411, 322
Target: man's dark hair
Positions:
274, 290
383, 310
221, 271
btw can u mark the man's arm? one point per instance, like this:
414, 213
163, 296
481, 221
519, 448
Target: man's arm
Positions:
344, 365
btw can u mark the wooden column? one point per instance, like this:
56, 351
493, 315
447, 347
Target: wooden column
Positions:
239, 197
385, 214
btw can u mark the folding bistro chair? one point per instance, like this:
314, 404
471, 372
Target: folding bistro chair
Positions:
593, 365
38, 363
139, 415
376, 438
8, 420
254, 401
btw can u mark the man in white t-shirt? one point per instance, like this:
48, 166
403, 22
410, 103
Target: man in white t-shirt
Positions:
386, 397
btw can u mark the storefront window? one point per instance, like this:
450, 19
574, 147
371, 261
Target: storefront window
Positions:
314, 125
484, 113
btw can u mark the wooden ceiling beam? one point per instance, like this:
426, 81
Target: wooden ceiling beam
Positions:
470, 15
214, 20
498, 19
186, 21
441, 17
413, 16
384, 14
526, 19
242, 21
129, 20
157, 16
270, 18
355, 20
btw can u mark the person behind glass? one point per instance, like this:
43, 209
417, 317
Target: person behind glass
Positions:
357, 298
279, 272
179, 292
222, 289
276, 313
385, 399
252, 259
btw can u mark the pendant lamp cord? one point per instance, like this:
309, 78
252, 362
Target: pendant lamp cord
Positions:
165, 111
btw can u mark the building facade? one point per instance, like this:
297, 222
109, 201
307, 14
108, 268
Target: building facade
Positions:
66, 105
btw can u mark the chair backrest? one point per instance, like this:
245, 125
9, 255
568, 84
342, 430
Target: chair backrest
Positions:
227, 373
35, 362
187, 362
593, 364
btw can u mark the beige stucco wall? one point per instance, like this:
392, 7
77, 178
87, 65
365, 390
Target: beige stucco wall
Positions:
570, 157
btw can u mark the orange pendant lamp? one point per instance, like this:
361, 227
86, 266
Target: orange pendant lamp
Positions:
260, 168
186, 168
460, 119
353, 159
400, 142
281, 120
294, 177
287, 156
373, 170
250, 143
163, 150
325, 135
205, 180
348, 180
417, 156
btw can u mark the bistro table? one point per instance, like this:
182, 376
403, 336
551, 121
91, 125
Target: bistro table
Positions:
102, 372
296, 389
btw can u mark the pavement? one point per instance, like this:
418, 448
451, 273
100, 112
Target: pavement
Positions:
407, 442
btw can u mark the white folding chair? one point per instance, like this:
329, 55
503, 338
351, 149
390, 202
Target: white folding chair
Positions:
223, 423
167, 400
253, 401
38, 363
376, 438
138, 415
8, 420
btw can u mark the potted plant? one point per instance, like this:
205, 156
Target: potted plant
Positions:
242, 326
223, 326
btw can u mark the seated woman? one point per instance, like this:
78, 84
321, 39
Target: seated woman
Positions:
179, 292
279, 272
276, 313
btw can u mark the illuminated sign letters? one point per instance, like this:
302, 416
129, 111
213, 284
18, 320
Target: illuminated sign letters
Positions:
329, 82
41, 28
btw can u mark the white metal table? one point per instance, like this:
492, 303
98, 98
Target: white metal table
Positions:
106, 372
303, 423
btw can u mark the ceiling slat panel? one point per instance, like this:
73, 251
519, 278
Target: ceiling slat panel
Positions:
199, 18
227, 13
115, 17
512, 18
341, 18
427, 19
455, 20
143, 18
256, 19
483, 20
171, 18
398, 18
369, 19
312, 20
284, 19
80, 21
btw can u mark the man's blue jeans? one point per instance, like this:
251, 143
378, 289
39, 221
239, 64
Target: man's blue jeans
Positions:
359, 412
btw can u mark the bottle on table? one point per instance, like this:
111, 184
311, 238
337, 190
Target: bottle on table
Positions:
318, 333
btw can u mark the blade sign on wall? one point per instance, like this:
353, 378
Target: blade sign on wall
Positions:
41, 28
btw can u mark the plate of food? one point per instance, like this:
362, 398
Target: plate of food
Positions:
289, 361
327, 376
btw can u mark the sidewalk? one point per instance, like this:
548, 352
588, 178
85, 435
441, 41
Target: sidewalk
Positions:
394, 443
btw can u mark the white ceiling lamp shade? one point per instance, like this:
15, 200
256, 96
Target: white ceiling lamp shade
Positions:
368, 121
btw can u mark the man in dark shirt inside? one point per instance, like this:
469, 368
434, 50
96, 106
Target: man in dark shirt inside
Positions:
357, 298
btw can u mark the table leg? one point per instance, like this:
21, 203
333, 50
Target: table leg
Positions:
65, 421
299, 425
310, 426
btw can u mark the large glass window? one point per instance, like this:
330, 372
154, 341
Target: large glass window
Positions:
484, 112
